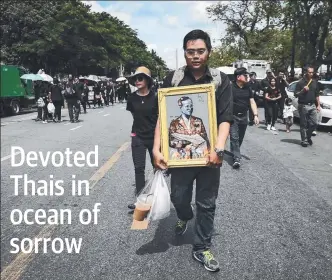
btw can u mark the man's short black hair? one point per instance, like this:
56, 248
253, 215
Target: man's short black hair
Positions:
195, 35
240, 71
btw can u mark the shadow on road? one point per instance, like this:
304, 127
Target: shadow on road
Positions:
165, 236
291, 141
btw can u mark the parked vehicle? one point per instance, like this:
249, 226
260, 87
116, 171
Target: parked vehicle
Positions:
229, 71
257, 66
16, 94
325, 116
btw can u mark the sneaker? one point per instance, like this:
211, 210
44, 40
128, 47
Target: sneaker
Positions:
273, 128
44, 121
180, 227
310, 142
236, 164
314, 133
304, 144
268, 127
207, 258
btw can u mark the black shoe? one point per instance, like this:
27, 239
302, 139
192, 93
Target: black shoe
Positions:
72, 121
236, 164
132, 206
54, 120
310, 142
38, 120
207, 258
180, 227
304, 144
59, 121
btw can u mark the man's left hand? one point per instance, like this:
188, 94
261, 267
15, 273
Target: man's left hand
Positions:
318, 109
256, 120
213, 159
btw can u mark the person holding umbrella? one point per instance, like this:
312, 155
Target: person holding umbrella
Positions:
143, 105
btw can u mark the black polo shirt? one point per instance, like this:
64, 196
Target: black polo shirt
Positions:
241, 98
224, 96
310, 95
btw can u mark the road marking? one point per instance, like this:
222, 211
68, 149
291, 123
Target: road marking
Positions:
108, 165
100, 112
67, 123
76, 127
17, 267
9, 156
331, 164
106, 115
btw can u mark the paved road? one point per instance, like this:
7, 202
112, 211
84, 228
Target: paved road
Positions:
273, 217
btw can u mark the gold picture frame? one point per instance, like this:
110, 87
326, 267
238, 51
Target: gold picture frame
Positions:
185, 142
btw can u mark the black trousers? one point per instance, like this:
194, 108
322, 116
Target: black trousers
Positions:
138, 149
112, 99
266, 110
237, 131
43, 112
73, 109
57, 112
97, 101
272, 109
207, 186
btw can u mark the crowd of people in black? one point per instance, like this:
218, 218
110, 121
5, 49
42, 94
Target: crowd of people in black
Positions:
78, 94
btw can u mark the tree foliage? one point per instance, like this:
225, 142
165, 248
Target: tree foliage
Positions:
263, 29
66, 37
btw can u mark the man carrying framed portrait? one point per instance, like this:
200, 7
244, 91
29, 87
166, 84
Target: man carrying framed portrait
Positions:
197, 49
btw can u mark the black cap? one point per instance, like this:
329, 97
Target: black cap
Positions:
241, 71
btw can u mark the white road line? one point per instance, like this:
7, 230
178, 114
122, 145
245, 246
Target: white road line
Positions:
9, 156
76, 127
106, 115
67, 123
100, 112
331, 164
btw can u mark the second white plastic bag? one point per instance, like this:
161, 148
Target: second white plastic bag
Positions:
50, 108
161, 201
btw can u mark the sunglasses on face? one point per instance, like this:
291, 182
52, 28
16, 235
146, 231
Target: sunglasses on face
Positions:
139, 78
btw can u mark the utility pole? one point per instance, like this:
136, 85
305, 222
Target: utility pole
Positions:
292, 72
176, 57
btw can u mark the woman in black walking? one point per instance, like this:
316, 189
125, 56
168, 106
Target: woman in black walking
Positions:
272, 95
143, 105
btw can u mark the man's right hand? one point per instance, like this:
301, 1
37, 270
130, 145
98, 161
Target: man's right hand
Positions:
159, 161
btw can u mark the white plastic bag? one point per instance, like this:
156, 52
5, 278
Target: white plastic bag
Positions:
161, 201
40, 102
50, 108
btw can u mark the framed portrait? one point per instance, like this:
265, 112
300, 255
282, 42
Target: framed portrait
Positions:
188, 124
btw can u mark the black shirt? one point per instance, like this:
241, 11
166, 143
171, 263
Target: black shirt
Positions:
281, 86
224, 97
241, 98
255, 86
310, 95
145, 114
272, 93
56, 94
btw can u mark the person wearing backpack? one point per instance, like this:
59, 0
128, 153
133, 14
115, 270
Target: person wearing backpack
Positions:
197, 49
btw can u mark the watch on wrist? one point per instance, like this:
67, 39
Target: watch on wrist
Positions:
219, 152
